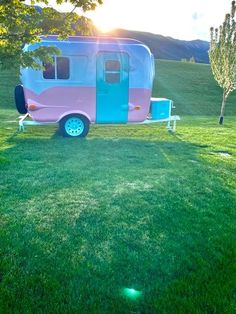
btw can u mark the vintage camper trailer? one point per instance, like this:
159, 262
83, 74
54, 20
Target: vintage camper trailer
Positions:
94, 80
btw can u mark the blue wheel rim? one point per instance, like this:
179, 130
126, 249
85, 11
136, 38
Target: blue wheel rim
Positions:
74, 126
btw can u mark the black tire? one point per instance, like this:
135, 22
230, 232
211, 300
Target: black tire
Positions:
20, 99
67, 129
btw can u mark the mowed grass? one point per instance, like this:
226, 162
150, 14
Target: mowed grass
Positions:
127, 207
192, 87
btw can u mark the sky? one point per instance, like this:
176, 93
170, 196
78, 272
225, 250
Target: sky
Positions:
181, 19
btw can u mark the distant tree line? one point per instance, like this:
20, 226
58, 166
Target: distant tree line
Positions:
191, 60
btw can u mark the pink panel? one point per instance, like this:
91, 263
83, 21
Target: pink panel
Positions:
57, 101
139, 97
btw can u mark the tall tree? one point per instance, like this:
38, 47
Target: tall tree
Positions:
222, 56
22, 24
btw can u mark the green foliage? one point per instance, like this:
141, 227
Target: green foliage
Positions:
222, 55
22, 24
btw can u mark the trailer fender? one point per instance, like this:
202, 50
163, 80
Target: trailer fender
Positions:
74, 112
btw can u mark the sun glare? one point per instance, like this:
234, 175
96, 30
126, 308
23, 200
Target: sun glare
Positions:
103, 25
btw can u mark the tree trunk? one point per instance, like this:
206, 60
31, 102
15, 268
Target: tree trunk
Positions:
221, 119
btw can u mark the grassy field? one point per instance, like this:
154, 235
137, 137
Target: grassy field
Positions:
128, 207
192, 88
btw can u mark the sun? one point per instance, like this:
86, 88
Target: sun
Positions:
105, 29
104, 25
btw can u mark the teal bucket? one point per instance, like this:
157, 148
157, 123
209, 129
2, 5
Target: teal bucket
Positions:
160, 108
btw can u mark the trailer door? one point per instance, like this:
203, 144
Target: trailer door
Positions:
112, 85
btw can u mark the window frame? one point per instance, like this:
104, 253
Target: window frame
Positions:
117, 72
55, 69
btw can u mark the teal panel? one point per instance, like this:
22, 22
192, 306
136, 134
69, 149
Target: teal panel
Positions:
112, 93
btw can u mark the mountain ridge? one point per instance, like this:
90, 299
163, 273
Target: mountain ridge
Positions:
162, 47
166, 47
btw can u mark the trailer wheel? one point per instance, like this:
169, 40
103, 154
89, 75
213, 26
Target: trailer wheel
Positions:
20, 99
74, 125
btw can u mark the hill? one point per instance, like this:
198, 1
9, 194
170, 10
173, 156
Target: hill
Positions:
169, 48
190, 85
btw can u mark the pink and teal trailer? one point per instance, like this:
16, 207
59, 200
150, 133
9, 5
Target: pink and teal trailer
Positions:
94, 80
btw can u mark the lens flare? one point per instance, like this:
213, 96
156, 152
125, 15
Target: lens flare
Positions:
132, 293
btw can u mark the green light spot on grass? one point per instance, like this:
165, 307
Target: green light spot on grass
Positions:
132, 293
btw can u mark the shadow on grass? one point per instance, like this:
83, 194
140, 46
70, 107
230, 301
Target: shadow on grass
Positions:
81, 220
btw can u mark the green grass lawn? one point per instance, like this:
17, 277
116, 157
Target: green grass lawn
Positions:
127, 207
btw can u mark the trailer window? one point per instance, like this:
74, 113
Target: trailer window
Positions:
49, 72
63, 71
59, 69
112, 78
112, 65
112, 71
